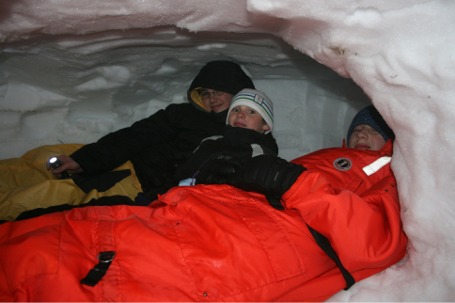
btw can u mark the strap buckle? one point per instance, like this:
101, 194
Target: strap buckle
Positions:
95, 274
106, 256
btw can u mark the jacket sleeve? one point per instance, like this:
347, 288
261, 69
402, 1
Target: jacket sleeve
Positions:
118, 147
364, 230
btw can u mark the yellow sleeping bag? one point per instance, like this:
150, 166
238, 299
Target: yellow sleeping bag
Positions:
26, 184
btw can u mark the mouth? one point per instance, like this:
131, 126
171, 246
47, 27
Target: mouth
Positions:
215, 105
239, 124
362, 147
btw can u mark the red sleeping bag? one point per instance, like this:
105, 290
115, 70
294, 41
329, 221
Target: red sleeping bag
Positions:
215, 242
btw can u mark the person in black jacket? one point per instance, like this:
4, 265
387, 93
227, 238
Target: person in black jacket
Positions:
157, 145
247, 134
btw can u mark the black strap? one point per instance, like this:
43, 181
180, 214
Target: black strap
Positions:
97, 273
324, 244
101, 201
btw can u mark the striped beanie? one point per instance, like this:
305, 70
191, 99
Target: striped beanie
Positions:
257, 100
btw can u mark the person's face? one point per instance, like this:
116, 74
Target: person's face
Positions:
246, 117
214, 100
366, 137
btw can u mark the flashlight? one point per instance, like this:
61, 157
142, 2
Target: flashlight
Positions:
54, 163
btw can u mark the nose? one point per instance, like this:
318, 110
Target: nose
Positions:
211, 98
241, 114
362, 134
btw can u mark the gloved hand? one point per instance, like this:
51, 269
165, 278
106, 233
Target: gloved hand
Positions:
218, 170
269, 175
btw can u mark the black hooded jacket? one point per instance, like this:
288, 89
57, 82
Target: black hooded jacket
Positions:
157, 145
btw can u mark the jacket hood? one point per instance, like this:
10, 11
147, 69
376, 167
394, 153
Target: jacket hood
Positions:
225, 76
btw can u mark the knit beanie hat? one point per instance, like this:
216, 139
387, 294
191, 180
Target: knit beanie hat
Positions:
224, 76
370, 116
257, 100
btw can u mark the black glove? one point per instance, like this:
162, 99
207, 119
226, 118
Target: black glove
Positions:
218, 170
269, 175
